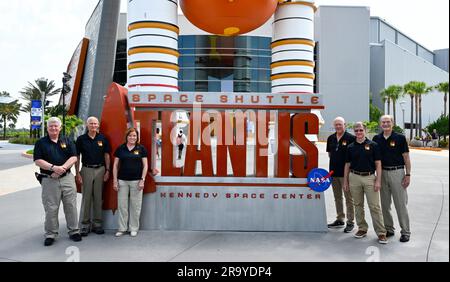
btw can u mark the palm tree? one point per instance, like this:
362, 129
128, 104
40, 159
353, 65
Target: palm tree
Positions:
416, 89
443, 88
392, 93
8, 112
35, 91
409, 90
386, 99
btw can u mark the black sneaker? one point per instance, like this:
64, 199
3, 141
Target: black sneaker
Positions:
349, 228
390, 233
49, 242
84, 232
98, 231
336, 224
404, 238
75, 237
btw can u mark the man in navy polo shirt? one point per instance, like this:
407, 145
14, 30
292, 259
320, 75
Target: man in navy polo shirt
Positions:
55, 156
94, 149
337, 145
396, 177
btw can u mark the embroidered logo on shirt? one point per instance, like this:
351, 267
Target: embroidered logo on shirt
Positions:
367, 147
344, 143
100, 143
136, 152
392, 143
63, 145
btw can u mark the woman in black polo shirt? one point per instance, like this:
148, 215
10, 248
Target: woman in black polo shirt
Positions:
129, 171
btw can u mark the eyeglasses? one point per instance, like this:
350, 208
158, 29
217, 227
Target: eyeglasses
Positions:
358, 130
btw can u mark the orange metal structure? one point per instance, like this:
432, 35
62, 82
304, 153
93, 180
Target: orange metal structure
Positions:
228, 17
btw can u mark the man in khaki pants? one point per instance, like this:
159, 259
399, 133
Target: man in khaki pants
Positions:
363, 160
337, 145
94, 149
396, 177
55, 156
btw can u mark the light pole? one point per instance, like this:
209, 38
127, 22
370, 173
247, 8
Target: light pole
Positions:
402, 105
42, 113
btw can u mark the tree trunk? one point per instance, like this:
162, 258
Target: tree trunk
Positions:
420, 114
31, 132
394, 110
412, 118
4, 127
445, 104
416, 123
389, 106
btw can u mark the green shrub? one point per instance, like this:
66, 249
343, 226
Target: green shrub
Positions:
443, 144
398, 129
30, 152
441, 126
23, 140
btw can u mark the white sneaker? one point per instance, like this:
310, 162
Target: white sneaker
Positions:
133, 233
119, 234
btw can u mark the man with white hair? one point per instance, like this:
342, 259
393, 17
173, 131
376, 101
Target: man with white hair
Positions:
55, 155
396, 166
337, 145
94, 149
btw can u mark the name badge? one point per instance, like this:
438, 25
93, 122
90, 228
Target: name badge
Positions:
367, 147
136, 152
392, 143
63, 145
100, 143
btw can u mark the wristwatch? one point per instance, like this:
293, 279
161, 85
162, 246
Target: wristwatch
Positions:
408, 174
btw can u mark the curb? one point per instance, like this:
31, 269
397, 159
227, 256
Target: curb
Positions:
28, 156
427, 149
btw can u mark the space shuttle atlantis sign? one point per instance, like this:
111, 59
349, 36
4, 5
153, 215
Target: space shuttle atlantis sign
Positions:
246, 157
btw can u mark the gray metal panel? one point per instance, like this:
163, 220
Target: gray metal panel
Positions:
406, 43
441, 59
101, 31
213, 209
344, 55
377, 74
387, 33
424, 53
374, 30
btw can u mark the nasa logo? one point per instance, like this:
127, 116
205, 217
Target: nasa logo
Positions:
319, 179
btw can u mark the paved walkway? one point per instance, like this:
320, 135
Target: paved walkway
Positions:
22, 215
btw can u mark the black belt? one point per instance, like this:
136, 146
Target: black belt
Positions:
93, 166
362, 173
393, 167
39, 176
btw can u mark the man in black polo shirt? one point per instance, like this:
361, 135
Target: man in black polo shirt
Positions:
337, 145
55, 156
94, 149
362, 175
396, 177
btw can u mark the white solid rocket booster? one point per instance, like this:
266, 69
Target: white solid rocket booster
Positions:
293, 47
153, 45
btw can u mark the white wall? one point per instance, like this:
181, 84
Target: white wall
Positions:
344, 62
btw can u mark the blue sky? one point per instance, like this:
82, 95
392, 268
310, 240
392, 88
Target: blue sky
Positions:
38, 37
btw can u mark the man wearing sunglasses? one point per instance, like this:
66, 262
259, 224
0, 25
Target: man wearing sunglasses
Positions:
396, 177
362, 176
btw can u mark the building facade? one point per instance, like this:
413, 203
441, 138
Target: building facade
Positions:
357, 56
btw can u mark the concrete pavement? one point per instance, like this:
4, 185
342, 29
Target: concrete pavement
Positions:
22, 217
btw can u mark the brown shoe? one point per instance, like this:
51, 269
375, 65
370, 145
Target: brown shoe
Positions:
382, 239
360, 234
